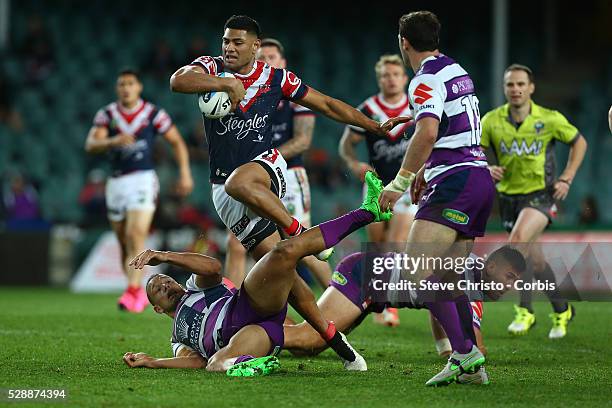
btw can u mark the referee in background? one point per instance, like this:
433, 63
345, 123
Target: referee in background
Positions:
522, 136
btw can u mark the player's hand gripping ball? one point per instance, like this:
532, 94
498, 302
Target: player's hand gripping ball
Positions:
215, 105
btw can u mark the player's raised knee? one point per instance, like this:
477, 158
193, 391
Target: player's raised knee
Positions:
287, 250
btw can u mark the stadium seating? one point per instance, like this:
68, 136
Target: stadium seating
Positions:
58, 111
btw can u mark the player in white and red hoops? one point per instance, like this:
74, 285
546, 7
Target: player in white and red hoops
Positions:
248, 174
385, 155
126, 130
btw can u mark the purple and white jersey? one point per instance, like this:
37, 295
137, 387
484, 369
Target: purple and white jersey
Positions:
442, 89
199, 318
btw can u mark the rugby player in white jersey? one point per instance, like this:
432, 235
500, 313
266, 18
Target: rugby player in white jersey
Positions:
445, 167
126, 130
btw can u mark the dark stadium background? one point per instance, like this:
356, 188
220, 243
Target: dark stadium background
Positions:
59, 59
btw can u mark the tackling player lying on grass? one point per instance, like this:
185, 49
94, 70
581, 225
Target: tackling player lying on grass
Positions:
347, 302
222, 329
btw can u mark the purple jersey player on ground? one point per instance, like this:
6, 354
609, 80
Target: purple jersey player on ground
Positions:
355, 291
127, 130
445, 160
248, 175
223, 329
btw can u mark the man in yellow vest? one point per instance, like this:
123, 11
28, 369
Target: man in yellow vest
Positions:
522, 136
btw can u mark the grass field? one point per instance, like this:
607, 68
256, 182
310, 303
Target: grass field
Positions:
53, 339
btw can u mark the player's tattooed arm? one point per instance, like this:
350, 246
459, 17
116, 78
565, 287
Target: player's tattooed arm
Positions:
207, 268
193, 79
339, 111
346, 149
190, 360
303, 127
99, 142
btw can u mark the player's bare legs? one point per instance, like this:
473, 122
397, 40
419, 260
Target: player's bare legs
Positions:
302, 339
432, 240
137, 226
235, 260
132, 233
251, 340
399, 227
529, 226
250, 184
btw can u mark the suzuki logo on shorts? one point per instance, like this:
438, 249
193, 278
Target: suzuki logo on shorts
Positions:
421, 94
522, 148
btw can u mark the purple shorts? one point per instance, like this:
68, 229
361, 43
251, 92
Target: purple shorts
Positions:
240, 314
461, 200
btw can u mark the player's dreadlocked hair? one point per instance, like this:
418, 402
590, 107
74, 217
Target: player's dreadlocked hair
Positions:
512, 256
245, 23
421, 29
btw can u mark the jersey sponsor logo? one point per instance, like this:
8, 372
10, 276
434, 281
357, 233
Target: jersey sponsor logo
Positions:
339, 278
424, 107
538, 126
455, 216
421, 94
242, 127
522, 148
465, 85
388, 152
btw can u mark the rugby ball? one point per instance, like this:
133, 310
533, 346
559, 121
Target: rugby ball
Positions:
215, 104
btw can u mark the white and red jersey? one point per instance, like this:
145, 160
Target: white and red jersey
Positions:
145, 121
386, 153
244, 134
442, 89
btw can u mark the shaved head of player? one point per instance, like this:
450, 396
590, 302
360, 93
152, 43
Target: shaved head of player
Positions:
164, 293
240, 43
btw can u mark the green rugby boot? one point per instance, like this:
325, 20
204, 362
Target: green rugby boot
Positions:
255, 367
370, 202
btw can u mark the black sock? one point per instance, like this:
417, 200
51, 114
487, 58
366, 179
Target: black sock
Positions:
341, 348
526, 294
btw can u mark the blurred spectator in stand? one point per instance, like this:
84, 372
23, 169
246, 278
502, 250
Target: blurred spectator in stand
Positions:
92, 199
197, 47
322, 170
161, 63
21, 205
589, 214
8, 115
37, 51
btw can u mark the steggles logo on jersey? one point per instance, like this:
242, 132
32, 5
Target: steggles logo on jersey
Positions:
517, 149
242, 127
421, 94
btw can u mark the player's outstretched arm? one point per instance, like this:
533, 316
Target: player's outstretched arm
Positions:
339, 111
190, 360
181, 155
207, 268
